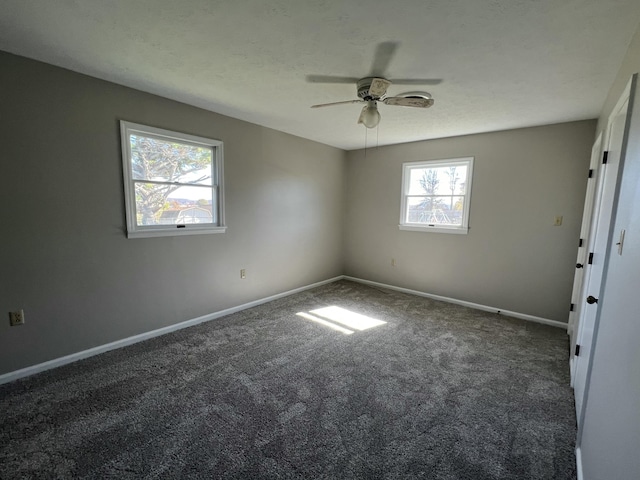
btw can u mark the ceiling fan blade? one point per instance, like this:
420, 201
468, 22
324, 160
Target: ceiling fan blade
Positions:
382, 58
379, 87
336, 103
409, 102
416, 81
330, 79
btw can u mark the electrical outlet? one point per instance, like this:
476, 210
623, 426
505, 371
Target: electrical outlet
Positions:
243, 273
16, 318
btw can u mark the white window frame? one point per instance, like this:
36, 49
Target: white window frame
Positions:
217, 176
421, 227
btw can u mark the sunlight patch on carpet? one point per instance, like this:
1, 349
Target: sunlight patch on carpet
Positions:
341, 319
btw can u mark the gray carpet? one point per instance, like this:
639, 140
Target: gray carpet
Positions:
438, 392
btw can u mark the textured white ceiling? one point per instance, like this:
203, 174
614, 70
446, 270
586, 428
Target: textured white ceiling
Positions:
504, 63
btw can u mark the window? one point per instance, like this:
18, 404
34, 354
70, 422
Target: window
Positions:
435, 195
173, 182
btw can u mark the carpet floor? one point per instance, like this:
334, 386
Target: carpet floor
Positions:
342, 381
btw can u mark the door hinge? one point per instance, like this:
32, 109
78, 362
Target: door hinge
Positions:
580, 242
605, 156
590, 258
591, 173
577, 352
572, 307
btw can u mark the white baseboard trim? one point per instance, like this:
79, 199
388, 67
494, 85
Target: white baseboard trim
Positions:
572, 366
74, 357
508, 313
579, 464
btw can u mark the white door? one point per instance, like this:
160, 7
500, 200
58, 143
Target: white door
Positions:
609, 436
591, 200
598, 238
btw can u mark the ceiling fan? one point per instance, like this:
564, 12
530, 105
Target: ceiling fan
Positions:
373, 89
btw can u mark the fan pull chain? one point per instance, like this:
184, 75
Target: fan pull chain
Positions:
366, 132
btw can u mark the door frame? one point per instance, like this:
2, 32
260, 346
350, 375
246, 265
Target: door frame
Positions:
602, 215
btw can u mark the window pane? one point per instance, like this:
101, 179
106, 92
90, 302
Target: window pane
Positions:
446, 180
173, 205
167, 161
435, 210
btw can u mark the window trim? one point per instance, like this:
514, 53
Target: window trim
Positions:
417, 227
217, 185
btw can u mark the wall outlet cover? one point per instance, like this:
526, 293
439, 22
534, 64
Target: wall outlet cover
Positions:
16, 318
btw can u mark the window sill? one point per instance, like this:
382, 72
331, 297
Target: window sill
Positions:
174, 232
439, 229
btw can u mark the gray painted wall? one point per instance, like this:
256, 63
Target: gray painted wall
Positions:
513, 257
610, 433
65, 258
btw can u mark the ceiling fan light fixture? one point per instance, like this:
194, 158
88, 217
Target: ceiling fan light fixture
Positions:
370, 116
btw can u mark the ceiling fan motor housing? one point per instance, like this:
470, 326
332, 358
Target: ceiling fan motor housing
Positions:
363, 86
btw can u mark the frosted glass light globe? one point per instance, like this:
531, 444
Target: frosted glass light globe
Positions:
371, 117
